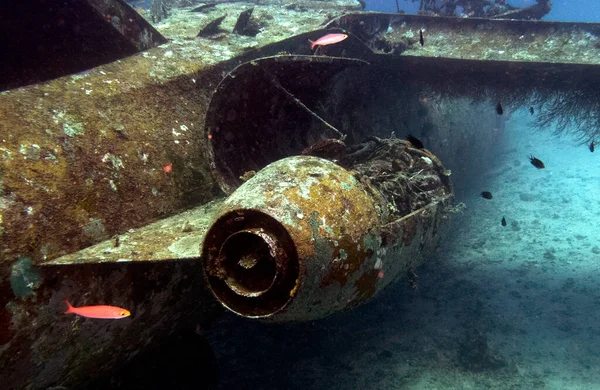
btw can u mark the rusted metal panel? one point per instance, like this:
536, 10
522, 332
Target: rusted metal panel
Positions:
42, 40
88, 157
92, 155
83, 158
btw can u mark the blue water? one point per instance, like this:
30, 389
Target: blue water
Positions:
563, 10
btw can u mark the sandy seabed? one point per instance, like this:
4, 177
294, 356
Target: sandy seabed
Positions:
514, 307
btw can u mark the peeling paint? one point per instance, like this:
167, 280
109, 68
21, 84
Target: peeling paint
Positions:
115, 161
95, 229
70, 126
30, 152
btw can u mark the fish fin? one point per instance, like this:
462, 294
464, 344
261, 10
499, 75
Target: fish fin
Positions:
70, 307
312, 44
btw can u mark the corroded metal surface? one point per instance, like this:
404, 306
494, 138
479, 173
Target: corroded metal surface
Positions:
83, 158
43, 40
316, 203
304, 238
92, 155
476, 39
175, 238
97, 156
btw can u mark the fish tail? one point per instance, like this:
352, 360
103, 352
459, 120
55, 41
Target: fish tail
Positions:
70, 307
312, 44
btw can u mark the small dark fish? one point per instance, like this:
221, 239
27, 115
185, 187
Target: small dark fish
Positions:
499, 109
531, 110
592, 146
486, 194
421, 39
536, 162
503, 221
415, 141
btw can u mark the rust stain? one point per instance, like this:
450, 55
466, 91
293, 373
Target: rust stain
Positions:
341, 234
348, 260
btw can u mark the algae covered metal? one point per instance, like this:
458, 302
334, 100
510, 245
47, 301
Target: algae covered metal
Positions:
304, 237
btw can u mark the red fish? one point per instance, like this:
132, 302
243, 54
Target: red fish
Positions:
328, 39
98, 311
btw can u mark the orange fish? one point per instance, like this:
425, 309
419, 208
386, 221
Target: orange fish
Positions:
98, 311
328, 39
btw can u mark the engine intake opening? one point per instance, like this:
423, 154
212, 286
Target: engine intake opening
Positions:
250, 263
249, 260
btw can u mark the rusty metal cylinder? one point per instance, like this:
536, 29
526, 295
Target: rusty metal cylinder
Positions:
304, 238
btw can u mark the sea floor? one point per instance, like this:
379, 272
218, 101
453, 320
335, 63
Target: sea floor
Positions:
514, 307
